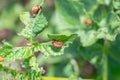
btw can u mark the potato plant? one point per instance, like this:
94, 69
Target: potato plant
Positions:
86, 35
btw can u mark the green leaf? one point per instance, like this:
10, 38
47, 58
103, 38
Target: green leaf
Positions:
105, 33
113, 20
25, 18
89, 6
27, 32
34, 75
19, 53
33, 64
31, 75
39, 24
58, 37
87, 38
67, 14
116, 4
71, 10
33, 25
49, 49
10, 54
101, 13
6, 49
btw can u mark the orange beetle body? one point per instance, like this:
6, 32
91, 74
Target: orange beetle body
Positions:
35, 9
1, 59
88, 22
57, 44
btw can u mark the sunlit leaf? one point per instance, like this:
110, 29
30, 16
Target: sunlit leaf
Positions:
10, 54
49, 49
33, 25
25, 17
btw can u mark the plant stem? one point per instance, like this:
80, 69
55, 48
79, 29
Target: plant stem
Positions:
75, 65
105, 61
105, 67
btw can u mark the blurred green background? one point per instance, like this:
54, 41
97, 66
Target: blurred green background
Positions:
67, 65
